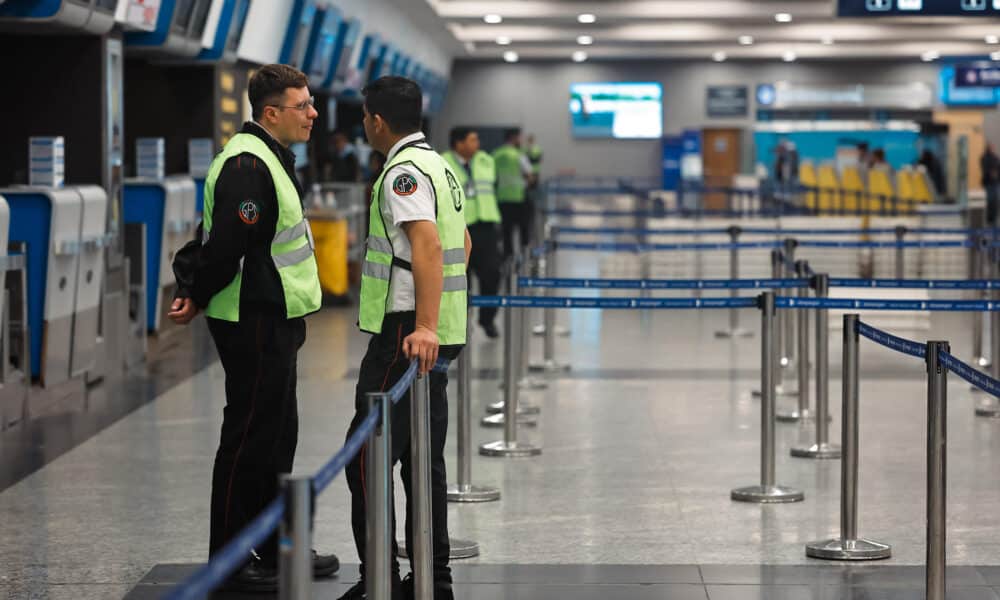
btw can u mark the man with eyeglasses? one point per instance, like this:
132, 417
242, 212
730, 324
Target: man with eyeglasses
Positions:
252, 270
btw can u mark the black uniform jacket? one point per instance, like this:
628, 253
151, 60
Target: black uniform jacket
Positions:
244, 218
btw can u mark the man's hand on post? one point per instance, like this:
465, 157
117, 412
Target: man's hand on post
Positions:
183, 310
423, 345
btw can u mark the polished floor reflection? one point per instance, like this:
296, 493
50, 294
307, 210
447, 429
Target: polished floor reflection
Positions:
642, 442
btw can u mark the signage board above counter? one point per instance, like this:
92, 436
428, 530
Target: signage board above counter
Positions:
918, 8
976, 76
785, 95
727, 101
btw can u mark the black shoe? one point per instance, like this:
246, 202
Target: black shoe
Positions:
442, 589
253, 578
491, 330
357, 591
324, 565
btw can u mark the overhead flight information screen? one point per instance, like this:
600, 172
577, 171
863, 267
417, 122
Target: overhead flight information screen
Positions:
918, 8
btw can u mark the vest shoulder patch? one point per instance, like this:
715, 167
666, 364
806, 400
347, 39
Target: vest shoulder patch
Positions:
249, 212
404, 184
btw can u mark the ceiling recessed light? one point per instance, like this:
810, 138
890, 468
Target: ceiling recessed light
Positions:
992, 39
783, 18
995, 56
586, 18
719, 56
503, 40
827, 40
746, 40
510, 56
929, 56
584, 40
579, 56
493, 19
789, 56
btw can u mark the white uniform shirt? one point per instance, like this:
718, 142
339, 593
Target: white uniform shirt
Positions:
420, 204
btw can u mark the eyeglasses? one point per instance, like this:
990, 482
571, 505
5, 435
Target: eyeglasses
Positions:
306, 105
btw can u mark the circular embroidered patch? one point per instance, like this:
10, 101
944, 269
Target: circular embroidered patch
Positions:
249, 213
405, 184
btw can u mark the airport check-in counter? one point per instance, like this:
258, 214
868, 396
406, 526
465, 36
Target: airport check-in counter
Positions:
166, 209
87, 306
90, 16
14, 352
47, 221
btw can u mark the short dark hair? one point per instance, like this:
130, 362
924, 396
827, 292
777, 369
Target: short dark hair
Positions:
269, 83
511, 133
397, 100
459, 134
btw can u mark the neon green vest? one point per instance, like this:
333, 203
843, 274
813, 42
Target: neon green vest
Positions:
482, 207
535, 156
510, 179
291, 248
377, 269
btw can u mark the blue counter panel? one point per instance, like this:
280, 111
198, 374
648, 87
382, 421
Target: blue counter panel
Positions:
30, 222
146, 203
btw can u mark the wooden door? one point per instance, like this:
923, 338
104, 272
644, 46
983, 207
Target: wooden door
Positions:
720, 152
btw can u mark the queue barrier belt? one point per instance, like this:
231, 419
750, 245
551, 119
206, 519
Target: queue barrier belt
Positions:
763, 231
738, 302
766, 244
758, 283
234, 554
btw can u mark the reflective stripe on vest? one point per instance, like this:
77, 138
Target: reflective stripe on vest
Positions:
376, 271
291, 247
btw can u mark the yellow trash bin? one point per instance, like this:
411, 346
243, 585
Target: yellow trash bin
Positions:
330, 235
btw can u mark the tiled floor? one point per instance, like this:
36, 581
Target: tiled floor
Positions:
642, 443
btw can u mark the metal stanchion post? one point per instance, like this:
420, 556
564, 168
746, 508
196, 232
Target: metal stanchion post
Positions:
979, 244
822, 448
900, 235
767, 492
378, 563
511, 365
937, 462
509, 446
420, 454
549, 329
295, 574
849, 546
549, 267
788, 324
802, 413
524, 379
735, 330
990, 406
464, 491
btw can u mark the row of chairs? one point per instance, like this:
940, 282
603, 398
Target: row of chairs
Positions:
828, 191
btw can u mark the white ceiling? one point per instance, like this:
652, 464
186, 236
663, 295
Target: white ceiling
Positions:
696, 29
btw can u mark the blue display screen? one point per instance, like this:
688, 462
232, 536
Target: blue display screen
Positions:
616, 110
933, 8
955, 95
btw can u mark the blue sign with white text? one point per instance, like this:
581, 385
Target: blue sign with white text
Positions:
973, 76
911, 8
954, 95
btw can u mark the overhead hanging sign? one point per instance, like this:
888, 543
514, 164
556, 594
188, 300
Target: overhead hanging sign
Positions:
785, 95
911, 8
973, 76
726, 101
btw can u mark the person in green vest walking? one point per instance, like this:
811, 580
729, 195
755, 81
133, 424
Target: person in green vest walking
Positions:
413, 302
534, 153
476, 174
514, 174
252, 271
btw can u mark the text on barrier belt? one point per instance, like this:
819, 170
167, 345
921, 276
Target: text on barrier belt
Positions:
766, 244
759, 231
720, 284
975, 377
744, 302
891, 341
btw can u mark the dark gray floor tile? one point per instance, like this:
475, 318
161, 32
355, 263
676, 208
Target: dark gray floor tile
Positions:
876, 576
576, 574
763, 574
830, 592
991, 574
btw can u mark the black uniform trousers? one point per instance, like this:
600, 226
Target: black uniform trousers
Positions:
383, 365
485, 263
260, 422
515, 214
